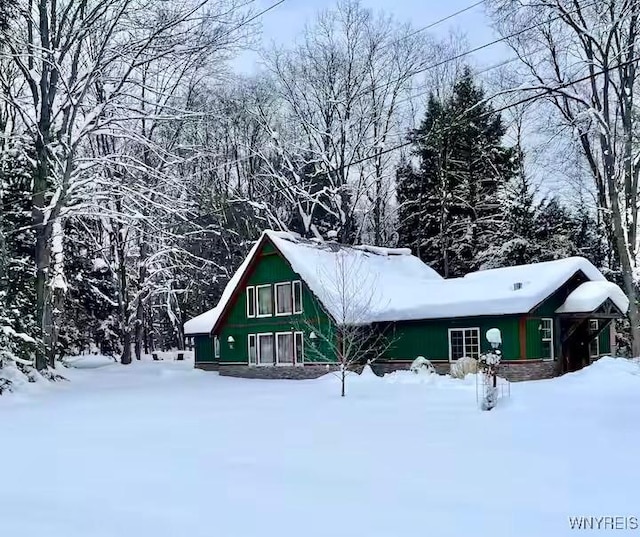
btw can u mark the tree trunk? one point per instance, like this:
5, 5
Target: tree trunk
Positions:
41, 253
125, 358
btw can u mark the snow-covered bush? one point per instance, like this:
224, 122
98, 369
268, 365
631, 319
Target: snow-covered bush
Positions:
422, 366
463, 367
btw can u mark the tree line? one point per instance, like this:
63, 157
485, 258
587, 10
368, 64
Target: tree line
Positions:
136, 168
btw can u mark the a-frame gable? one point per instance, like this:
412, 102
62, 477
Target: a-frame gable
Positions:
264, 249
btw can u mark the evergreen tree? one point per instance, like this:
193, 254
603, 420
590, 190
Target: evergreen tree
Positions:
90, 316
18, 326
454, 192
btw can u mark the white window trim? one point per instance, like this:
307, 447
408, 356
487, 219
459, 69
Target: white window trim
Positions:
550, 340
299, 360
258, 360
275, 296
255, 302
255, 344
216, 347
297, 283
258, 314
476, 328
285, 364
597, 339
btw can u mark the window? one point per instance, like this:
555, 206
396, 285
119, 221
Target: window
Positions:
216, 346
251, 345
464, 342
265, 349
299, 337
251, 301
594, 344
265, 300
297, 297
285, 349
546, 334
284, 300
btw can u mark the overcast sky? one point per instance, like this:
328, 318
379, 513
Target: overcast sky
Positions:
284, 23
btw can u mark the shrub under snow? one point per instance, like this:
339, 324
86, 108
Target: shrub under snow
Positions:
422, 366
463, 367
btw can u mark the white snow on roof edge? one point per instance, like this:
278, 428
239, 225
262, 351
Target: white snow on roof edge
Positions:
204, 323
591, 295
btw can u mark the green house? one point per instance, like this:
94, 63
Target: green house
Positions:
288, 303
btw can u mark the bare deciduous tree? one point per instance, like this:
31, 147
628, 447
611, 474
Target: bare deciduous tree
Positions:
351, 298
597, 44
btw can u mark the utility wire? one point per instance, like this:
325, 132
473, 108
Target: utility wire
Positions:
539, 95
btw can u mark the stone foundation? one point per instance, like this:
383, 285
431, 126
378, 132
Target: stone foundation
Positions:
513, 371
207, 366
276, 372
382, 368
528, 370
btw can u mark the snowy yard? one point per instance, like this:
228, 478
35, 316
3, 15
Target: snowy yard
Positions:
158, 449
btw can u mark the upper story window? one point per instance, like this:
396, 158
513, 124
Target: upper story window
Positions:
251, 301
284, 298
265, 300
297, 297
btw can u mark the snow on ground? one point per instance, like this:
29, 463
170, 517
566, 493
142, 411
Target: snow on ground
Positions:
158, 449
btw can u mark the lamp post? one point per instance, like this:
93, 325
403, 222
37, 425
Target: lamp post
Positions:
489, 363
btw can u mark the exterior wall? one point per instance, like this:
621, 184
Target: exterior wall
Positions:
203, 350
271, 268
430, 338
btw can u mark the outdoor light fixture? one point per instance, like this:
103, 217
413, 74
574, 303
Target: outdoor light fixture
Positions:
231, 341
313, 337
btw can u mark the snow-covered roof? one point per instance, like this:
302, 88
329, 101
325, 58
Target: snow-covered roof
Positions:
204, 323
591, 295
364, 284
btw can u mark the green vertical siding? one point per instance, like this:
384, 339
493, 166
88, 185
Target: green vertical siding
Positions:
203, 346
272, 268
430, 338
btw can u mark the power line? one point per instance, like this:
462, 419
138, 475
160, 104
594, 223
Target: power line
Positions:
439, 21
543, 93
468, 52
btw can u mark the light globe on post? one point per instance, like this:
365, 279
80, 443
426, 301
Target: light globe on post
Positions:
494, 337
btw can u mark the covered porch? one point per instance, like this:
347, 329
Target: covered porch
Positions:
587, 312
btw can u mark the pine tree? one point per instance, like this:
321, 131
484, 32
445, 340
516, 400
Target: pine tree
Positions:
455, 191
18, 326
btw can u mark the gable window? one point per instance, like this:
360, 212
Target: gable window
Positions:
266, 349
464, 342
546, 335
594, 344
216, 346
284, 299
253, 353
265, 300
297, 297
285, 349
251, 301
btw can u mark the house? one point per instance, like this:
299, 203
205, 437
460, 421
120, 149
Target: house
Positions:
554, 316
